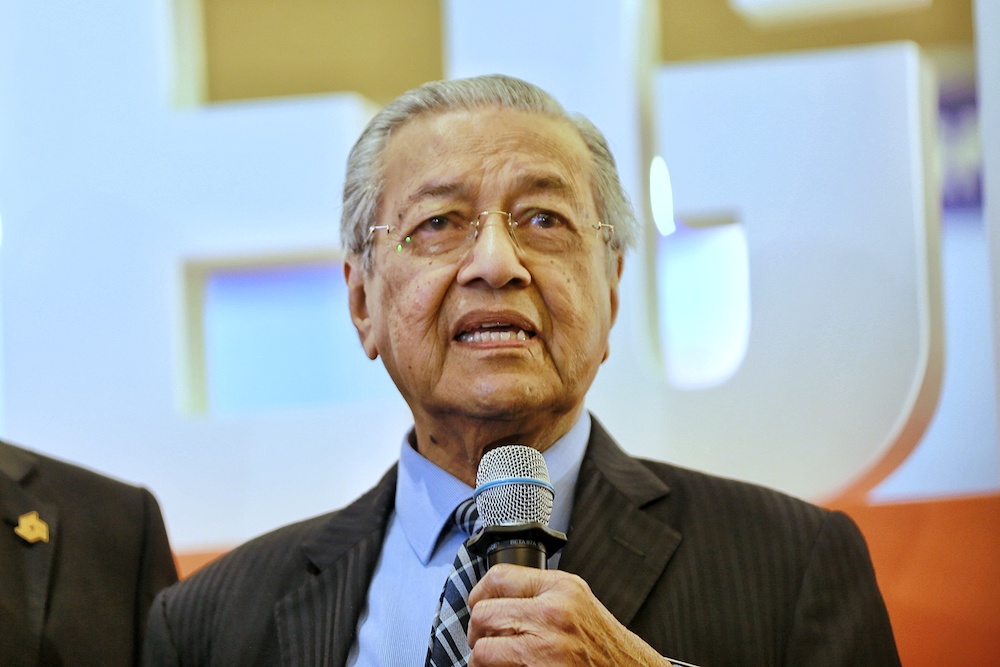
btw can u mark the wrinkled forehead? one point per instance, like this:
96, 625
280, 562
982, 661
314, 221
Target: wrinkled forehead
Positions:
487, 148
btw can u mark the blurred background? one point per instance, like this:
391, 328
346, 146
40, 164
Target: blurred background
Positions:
813, 305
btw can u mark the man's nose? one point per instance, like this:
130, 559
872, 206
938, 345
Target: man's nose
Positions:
494, 257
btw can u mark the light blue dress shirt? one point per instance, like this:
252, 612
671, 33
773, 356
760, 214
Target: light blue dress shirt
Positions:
395, 625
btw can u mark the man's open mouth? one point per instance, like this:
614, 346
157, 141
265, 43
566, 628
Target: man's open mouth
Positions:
494, 332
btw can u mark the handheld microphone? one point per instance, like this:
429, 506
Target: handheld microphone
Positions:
514, 498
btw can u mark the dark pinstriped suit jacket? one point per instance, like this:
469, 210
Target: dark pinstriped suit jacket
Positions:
709, 571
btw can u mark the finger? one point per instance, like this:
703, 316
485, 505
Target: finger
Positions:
548, 650
499, 617
500, 652
508, 581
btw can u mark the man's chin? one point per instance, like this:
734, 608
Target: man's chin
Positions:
503, 403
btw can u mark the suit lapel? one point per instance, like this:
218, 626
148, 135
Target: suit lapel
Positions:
616, 543
317, 622
36, 557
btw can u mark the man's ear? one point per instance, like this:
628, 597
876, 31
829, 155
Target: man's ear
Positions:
357, 298
615, 282
614, 278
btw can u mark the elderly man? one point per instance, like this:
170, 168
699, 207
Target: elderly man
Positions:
485, 230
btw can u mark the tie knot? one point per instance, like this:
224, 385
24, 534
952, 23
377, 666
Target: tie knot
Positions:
466, 515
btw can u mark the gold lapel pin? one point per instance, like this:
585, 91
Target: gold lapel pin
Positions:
31, 528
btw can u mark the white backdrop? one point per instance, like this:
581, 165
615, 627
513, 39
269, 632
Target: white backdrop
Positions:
107, 193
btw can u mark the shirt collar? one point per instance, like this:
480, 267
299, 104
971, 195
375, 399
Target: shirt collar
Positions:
426, 495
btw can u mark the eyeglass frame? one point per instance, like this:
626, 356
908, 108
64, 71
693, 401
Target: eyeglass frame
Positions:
512, 224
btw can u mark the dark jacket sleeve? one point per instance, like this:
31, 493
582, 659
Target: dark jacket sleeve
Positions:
840, 617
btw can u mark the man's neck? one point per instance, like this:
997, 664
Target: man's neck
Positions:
457, 443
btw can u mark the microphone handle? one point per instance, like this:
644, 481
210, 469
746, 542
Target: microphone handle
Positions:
526, 544
527, 553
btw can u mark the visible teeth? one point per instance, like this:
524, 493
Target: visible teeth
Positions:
492, 336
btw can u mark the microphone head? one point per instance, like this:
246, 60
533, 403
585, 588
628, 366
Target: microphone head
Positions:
512, 487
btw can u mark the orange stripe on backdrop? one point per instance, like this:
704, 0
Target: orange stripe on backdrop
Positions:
189, 562
938, 564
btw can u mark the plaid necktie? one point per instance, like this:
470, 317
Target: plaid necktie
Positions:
449, 644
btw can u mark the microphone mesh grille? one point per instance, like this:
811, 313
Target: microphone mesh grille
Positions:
516, 501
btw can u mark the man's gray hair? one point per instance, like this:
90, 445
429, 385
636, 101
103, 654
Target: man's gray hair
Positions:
365, 179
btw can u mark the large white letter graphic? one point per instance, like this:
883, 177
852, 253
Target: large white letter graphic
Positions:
821, 158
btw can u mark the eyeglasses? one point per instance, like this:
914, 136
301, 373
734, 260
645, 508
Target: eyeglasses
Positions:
449, 236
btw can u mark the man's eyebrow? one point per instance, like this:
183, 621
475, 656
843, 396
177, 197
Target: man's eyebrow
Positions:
543, 183
438, 191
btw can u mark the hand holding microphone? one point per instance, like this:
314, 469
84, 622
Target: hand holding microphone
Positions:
526, 615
